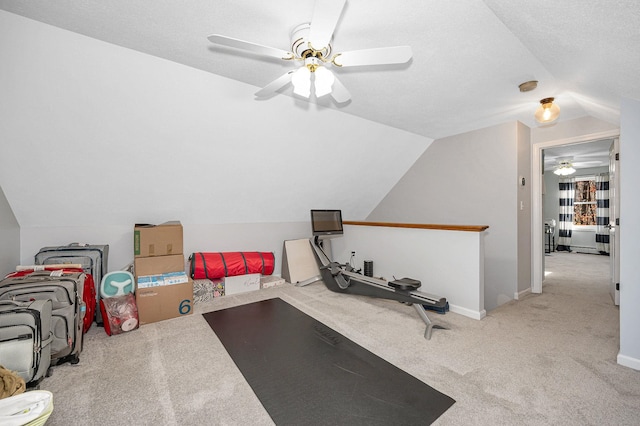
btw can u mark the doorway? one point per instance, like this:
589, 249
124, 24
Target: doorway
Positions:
577, 250
538, 186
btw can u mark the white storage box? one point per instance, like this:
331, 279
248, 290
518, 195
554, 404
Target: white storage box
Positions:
267, 281
241, 283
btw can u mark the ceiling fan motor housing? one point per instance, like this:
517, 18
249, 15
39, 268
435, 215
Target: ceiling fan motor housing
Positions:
301, 47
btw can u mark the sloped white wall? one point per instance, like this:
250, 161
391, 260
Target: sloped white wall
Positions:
98, 136
467, 179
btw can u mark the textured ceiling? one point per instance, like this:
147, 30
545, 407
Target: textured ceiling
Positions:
468, 55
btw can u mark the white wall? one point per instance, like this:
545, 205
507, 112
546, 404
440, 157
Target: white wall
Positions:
468, 179
629, 354
9, 237
523, 184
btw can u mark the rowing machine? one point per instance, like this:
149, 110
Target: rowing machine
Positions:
342, 278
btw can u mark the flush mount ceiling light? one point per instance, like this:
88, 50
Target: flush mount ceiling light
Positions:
528, 86
311, 45
547, 111
565, 168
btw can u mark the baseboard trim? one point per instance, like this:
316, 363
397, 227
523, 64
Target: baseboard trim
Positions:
521, 294
627, 361
478, 315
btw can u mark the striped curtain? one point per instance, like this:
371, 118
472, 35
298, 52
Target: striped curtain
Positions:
565, 222
602, 213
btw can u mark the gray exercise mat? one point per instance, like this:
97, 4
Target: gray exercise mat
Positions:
304, 372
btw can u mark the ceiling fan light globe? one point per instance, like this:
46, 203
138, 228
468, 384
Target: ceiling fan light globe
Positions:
565, 172
301, 80
324, 80
565, 168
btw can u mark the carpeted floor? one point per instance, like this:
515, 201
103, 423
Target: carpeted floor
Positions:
544, 360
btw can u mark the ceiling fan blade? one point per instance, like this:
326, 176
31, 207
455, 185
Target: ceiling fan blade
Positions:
251, 47
593, 163
275, 85
377, 56
339, 92
325, 18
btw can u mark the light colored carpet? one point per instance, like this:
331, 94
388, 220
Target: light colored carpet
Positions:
547, 359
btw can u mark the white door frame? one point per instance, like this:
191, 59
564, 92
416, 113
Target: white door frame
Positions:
614, 214
537, 234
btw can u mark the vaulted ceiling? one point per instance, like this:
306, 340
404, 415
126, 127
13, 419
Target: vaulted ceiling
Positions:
469, 56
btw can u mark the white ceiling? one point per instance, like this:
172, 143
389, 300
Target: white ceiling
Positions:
469, 56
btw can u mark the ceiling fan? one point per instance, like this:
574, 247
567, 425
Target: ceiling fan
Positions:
581, 161
311, 45
566, 165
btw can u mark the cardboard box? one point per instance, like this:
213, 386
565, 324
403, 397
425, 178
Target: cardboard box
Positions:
267, 281
158, 265
241, 283
157, 240
164, 302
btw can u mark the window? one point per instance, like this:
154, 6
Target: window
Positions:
584, 204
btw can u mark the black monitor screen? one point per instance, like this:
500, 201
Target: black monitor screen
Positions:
326, 222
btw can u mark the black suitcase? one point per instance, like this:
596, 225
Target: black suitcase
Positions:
64, 289
25, 338
93, 258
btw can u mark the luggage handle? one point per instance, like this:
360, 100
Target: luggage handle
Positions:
48, 340
42, 274
74, 245
45, 267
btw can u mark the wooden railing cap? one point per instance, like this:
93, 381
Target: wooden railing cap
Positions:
467, 228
